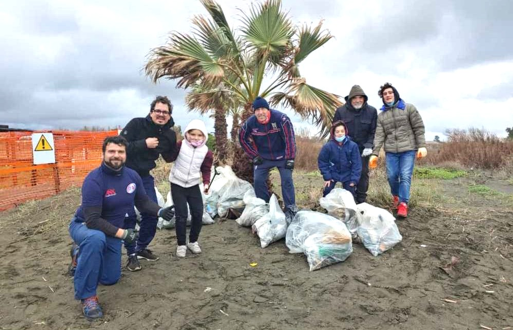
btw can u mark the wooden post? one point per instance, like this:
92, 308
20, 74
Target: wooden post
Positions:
56, 178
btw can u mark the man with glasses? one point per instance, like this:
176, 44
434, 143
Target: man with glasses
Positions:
148, 138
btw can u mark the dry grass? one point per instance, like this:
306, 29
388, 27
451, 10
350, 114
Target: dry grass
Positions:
308, 149
473, 148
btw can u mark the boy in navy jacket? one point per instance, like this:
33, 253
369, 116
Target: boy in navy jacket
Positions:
340, 161
268, 139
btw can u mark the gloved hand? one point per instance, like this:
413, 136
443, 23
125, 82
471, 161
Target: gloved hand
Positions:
129, 236
366, 152
167, 213
289, 164
373, 162
257, 160
421, 153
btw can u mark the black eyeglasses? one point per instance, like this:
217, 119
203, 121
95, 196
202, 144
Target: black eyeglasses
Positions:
160, 112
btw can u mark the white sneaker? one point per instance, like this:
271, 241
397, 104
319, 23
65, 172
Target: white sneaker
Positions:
194, 247
181, 250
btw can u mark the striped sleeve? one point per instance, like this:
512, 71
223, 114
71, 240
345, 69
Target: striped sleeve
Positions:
245, 143
290, 138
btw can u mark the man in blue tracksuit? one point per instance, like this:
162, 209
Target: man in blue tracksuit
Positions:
268, 139
148, 138
109, 193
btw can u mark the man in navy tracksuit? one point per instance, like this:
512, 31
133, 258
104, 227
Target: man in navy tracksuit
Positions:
268, 139
108, 194
148, 138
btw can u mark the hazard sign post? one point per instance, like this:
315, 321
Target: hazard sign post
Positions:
43, 149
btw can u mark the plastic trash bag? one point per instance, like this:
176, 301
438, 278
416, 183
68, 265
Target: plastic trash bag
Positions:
377, 229
340, 204
272, 226
255, 209
231, 193
322, 238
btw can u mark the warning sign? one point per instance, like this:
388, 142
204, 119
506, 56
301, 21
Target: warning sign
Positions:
43, 148
43, 144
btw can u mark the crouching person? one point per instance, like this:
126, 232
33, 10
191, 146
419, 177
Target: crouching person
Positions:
109, 193
340, 161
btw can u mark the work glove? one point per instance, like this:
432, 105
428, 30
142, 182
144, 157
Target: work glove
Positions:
366, 152
167, 213
257, 160
421, 153
373, 162
129, 236
289, 164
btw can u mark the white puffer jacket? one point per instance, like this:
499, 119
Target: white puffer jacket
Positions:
186, 171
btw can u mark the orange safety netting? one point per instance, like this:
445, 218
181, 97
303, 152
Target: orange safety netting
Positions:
76, 154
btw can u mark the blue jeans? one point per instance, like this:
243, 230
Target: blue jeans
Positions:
148, 221
99, 259
399, 172
261, 173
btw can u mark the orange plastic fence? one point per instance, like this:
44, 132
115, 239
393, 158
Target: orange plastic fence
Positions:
76, 154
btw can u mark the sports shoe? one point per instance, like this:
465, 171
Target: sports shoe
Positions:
194, 247
74, 256
395, 203
147, 254
133, 264
181, 250
91, 308
402, 210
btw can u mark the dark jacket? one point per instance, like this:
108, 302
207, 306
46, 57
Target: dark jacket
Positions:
361, 123
108, 195
274, 140
340, 162
140, 158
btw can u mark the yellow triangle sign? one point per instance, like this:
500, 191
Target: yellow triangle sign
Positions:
43, 144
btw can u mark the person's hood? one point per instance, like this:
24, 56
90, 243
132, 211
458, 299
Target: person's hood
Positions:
397, 98
335, 125
199, 125
399, 105
356, 90
167, 125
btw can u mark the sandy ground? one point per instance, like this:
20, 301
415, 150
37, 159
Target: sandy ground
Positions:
405, 288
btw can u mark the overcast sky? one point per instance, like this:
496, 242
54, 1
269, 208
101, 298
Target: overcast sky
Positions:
75, 63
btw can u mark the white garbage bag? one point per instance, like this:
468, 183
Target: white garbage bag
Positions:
232, 192
377, 228
255, 209
272, 226
322, 238
340, 204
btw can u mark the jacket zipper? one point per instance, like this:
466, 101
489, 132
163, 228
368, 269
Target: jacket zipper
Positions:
395, 131
269, 141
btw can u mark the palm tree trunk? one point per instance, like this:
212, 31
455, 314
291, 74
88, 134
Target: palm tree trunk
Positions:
241, 163
221, 131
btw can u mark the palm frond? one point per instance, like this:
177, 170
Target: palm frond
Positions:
310, 103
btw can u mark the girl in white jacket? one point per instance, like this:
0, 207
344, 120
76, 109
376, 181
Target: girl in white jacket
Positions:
193, 165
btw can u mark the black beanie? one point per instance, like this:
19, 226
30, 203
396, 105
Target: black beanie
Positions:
260, 102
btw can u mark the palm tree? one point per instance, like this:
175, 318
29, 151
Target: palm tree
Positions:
266, 46
202, 99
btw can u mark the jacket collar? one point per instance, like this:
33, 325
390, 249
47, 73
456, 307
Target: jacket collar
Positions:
399, 105
109, 171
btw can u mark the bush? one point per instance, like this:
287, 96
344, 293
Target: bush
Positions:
308, 149
475, 148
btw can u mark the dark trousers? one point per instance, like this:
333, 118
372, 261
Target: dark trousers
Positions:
363, 184
148, 221
345, 185
261, 173
181, 197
